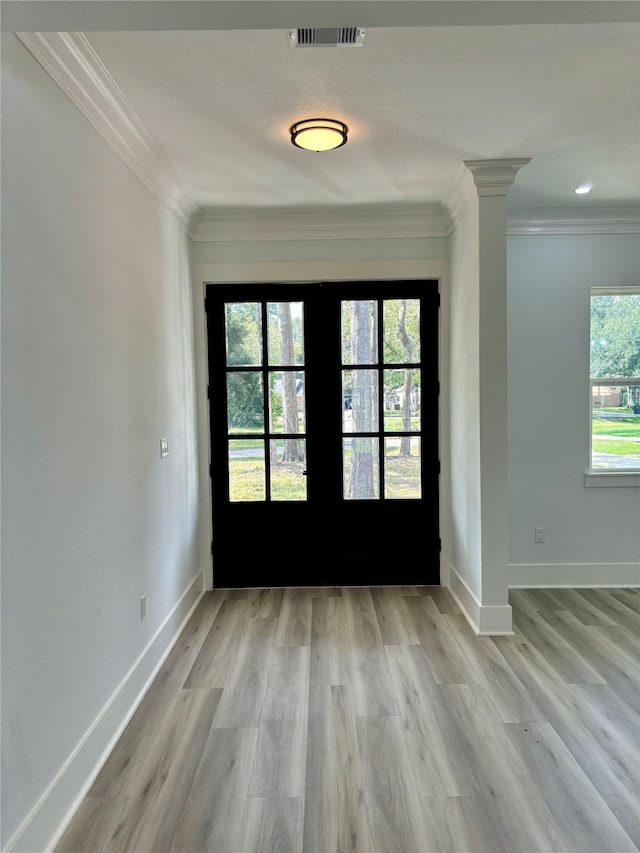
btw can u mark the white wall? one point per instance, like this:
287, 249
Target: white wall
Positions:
466, 557
592, 534
97, 366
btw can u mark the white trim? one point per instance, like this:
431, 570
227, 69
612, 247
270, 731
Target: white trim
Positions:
547, 575
485, 619
49, 817
299, 271
615, 225
494, 177
220, 226
74, 65
612, 479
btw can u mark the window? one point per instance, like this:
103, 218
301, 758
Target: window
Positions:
615, 379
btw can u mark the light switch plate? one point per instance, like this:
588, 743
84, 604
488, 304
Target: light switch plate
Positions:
164, 447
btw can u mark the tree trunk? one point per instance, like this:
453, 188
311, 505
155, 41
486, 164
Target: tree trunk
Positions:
292, 450
361, 479
405, 441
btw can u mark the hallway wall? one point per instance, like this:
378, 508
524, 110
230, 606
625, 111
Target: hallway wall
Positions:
97, 367
592, 534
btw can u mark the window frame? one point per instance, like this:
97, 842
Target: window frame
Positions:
607, 477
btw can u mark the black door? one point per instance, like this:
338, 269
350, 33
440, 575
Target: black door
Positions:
323, 402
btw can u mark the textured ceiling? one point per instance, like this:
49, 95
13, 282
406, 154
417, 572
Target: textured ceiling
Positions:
418, 101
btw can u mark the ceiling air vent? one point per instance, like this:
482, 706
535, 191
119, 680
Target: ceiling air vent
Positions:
327, 37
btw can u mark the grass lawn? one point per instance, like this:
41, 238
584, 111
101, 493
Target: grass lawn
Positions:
628, 427
617, 448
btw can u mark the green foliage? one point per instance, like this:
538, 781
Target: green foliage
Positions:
243, 324
245, 405
615, 335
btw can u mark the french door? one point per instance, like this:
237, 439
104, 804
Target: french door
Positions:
323, 408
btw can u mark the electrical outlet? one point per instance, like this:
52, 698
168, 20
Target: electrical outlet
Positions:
164, 447
540, 534
143, 607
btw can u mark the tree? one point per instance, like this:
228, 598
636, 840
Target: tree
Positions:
292, 448
405, 441
615, 336
245, 404
361, 477
615, 339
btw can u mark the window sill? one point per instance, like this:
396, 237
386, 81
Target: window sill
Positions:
612, 479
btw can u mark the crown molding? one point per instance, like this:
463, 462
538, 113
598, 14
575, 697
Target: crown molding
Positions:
565, 221
74, 65
241, 226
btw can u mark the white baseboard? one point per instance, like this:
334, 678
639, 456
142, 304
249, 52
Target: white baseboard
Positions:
49, 817
545, 575
485, 619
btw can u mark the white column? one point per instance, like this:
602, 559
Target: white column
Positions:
493, 179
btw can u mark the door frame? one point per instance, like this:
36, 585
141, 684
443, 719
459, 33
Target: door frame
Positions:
312, 271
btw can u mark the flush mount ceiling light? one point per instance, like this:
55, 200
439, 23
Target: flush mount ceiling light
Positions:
583, 189
318, 134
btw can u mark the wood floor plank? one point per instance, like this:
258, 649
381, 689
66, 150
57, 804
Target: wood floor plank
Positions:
565, 659
571, 718
294, 621
627, 813
97, 827
243, 695
148, 781
459, 825
508, 695
585, 820
392, 617
335, 817
628, 597
280, 760
444, 601
215, 659
155, 748
441, 763
264, 603
273, 825
391, 794
374, 720
212, 817
620, 671
605, 602
446, 658
329, 645
513, 803
370, 679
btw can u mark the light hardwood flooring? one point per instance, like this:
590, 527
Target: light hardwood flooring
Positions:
375, 720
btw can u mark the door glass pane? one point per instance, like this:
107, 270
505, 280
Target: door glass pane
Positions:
401, 330
243, 334
360, 401
402, 467
359, 331
402, 400
286, 396
245, 403
361, 469
288, 461
246, 470
285, 341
